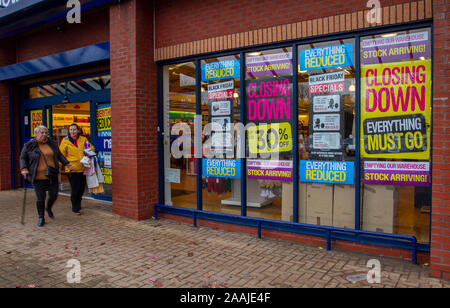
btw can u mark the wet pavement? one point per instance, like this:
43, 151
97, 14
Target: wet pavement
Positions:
115, 252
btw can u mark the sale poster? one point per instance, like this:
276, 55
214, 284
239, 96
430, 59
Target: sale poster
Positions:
408, 46
36, 120
396, 110
326, 57
269, 65
397, 173
277, 170
269, 103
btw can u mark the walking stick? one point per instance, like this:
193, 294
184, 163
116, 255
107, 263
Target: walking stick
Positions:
22, 220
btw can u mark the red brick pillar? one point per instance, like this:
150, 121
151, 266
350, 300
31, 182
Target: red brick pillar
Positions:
440, 219
7, 56
134, 116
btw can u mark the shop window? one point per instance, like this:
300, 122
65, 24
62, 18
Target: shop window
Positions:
221, 169
180, 168
395, 133
326, 134
269, 125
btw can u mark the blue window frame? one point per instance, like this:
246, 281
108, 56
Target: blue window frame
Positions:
357, 235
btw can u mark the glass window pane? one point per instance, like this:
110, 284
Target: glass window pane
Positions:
269, 125
221, 183
179, 113
326, 130
395, 133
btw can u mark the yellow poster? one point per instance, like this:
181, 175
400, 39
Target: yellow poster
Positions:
36, 120
270, 138
104, 119
396, 110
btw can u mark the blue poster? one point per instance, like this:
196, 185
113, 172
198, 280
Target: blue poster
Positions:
332, 172
226, 69
326, 57
221, 168
103, 144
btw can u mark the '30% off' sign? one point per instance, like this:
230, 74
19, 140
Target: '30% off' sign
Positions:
270, 138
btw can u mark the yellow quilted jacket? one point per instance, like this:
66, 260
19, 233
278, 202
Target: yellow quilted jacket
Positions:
74, 154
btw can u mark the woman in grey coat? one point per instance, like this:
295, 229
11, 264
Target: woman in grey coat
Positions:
36, 156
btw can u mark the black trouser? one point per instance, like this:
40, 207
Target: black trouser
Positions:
77, 185
40, 188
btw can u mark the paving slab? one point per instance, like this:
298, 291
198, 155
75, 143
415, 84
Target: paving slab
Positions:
118, 252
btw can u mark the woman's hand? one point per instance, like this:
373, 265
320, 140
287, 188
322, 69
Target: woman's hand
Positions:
70, 167
25, 172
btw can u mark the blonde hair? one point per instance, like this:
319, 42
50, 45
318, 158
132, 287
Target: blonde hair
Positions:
38, 128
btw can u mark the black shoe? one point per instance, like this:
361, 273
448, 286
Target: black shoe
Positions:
41, 222
50, 213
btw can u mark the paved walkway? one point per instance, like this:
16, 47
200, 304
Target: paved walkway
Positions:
115, 251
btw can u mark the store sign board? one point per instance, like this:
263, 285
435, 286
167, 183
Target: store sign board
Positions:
221, 168
332, 172
226, 69
394, 49
397, 173
8, 7
396, 110
326, 57
276, 170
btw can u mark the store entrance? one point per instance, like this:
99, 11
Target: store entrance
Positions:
62, 116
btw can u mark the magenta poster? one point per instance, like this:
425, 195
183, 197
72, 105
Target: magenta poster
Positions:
277, 170
269, 65
397, 173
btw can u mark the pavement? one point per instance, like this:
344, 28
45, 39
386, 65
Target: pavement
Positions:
112, 251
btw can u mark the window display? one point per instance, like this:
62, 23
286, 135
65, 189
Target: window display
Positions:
396, 133
326, 130
269, 105
221, 166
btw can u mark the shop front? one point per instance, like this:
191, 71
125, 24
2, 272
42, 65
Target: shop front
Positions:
329, 137
84, 101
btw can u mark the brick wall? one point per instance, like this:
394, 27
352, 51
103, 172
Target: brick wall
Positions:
7, 56
181, 21
134, 105
440, 219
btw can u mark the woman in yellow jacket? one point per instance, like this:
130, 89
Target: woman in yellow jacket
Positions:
72, 147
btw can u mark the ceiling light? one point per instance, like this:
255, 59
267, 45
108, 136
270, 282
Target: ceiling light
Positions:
255, 53
389, 35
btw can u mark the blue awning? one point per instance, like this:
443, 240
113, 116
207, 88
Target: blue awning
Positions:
80, 56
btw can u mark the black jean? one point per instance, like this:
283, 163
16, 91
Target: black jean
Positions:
40, 188
77, 185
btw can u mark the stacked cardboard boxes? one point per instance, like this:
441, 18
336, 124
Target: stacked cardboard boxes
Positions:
379, 209
344, 206
286, 206
319, 204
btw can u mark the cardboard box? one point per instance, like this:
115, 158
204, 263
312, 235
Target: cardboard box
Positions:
319, 204
287, 197
344, 206
379, 208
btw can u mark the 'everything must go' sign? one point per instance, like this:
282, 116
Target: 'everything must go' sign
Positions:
396, 110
